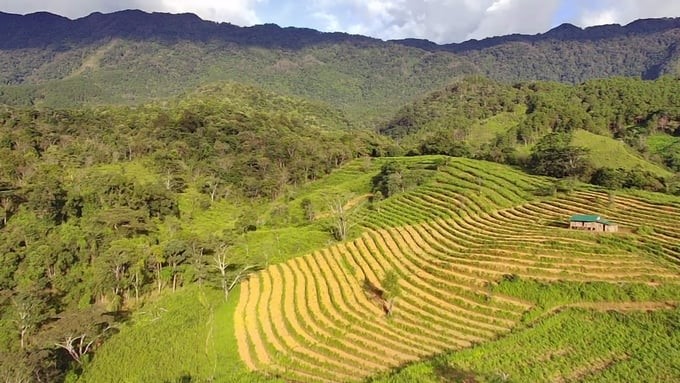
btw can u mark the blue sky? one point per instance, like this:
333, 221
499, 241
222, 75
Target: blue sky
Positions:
442, 21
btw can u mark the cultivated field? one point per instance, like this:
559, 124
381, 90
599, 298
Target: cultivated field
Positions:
451, 241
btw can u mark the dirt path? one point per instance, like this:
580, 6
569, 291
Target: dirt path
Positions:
623, 307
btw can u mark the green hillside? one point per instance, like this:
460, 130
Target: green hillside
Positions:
188, 201
621, 123
365, 81
106, 209
473, 235
607, 152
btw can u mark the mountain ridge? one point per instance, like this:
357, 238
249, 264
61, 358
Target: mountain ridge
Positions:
131, 57
20, 30
141, 24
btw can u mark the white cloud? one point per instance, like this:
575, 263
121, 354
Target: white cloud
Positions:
442, 21
504, 17
240, 12
626, 11
602, 17
439, 20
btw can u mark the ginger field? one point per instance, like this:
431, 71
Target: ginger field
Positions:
452, 242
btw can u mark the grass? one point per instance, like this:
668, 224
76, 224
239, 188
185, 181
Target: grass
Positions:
574, 345
657, 143
548, 296
179, 337
484, 131
607, 152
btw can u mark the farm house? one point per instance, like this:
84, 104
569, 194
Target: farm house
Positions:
592, 223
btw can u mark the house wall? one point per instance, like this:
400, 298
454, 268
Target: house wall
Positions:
611, 228
593, 226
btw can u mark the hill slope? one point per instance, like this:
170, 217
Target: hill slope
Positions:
482, 118
452, 243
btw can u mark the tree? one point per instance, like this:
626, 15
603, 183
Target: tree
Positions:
390, 180
9, 203
76, 346
31, 310
341, 217
308, 209
230, 272
46, 197
609, 178
554, 156
391, 290
79, 332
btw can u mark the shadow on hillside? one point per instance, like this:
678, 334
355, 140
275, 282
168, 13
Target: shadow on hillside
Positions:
377, 296
558, 224
447, 373
372, 290
186, 378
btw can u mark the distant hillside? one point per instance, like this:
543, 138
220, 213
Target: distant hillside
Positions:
645, 48
481, 118
130, 57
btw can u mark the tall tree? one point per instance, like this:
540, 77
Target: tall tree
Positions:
554, 156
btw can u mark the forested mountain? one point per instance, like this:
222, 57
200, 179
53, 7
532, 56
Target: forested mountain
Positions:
131, 56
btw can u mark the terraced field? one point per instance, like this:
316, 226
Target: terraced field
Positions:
319, 318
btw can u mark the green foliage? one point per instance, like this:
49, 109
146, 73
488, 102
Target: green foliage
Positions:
636, 178
104, 207
390, 285
396, 177
482, 119
554, 156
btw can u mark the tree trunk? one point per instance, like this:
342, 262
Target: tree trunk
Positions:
23, 338
174, 282
137, 287
158, 277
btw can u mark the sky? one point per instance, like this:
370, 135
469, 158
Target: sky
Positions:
442, 21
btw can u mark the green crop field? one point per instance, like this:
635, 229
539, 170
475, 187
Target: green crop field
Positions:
575, 345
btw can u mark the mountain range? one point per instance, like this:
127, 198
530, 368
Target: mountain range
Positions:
129, 57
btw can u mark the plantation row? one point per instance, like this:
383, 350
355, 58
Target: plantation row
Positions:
322, 317
463, 187
314, 319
